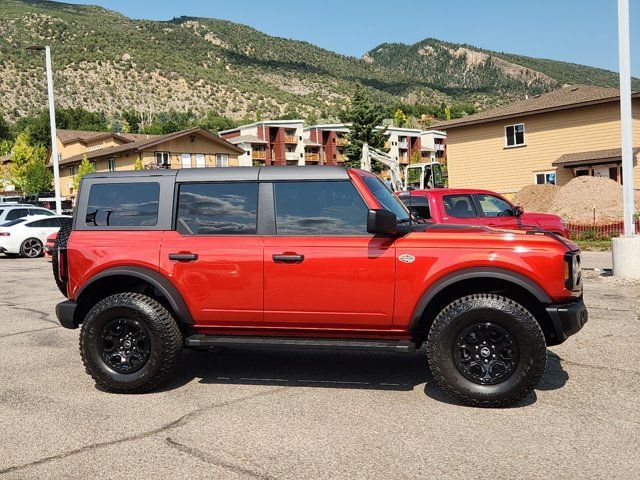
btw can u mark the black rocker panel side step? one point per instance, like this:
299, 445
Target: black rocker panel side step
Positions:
200, 340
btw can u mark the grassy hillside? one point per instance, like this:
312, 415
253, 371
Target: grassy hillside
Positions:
104, 61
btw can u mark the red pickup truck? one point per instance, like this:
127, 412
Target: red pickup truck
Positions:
305, 257
478, 207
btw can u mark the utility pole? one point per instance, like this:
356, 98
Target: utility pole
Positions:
52, 124
626, 249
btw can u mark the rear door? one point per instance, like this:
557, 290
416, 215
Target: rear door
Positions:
322, 269
459, 209
214, 255
496, 212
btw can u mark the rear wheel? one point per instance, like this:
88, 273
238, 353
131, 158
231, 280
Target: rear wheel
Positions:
486, 350
31, 248
129, 343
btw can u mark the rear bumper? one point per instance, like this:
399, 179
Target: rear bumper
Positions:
567, 318
65, 311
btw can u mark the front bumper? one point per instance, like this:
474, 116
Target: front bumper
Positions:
567, 318
65, 311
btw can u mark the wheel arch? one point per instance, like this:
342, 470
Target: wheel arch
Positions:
482, 280
132, 278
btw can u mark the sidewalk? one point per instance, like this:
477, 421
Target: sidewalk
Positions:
599, 260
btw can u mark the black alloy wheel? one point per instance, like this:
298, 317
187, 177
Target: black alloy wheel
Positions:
124, 345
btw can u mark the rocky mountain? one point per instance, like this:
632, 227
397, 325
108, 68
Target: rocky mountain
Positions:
104, 61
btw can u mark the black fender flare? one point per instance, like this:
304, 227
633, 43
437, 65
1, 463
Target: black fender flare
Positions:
477, 272
159, 281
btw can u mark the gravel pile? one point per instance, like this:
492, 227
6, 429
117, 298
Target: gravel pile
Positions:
577, 200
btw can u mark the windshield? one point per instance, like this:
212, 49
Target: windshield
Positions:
386, 197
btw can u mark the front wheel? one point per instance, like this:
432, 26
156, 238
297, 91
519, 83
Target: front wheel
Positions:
486, 350
31, 248
129, 343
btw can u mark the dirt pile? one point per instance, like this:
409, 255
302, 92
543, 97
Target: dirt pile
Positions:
579, 201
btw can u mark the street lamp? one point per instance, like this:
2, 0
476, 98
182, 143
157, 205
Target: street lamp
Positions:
626, 248
52, 122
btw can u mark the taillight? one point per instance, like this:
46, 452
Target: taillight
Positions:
62, 264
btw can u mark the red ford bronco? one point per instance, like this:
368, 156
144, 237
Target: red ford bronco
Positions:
305, 257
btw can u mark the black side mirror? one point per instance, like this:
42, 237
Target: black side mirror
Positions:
382, 222
518, 211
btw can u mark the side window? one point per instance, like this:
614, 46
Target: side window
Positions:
44, 223
459, 206
40, 211
494, 207
319, 208
17, 213
420, 205
123, 204
218, 209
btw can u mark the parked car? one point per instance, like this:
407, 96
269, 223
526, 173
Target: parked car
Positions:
478, 207
314, 257
25, 236
13, 212
49, 244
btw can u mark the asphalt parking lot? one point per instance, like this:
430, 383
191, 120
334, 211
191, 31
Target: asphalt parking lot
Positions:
302, 414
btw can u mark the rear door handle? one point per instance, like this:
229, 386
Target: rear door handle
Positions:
285, 258
183, 257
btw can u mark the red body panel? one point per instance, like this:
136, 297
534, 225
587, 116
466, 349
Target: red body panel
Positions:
526, 221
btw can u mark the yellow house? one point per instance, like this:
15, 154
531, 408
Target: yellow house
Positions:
192, 148
548, 138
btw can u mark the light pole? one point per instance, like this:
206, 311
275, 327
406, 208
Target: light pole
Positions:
625, 249
52, 122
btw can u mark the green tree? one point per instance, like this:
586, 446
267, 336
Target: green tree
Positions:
85, 167
38, 177
215, 123
22, 154
447, 112
5, 129
138, 165
364, 117
399, 118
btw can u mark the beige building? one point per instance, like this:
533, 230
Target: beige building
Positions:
549, 138
192, 148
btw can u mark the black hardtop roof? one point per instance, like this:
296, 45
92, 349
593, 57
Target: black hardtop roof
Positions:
246, 174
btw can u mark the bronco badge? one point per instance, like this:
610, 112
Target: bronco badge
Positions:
406, 258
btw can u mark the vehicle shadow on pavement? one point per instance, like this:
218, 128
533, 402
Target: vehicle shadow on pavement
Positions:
328, 369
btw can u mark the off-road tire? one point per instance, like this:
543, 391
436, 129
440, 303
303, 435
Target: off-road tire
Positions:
61, 242
166, 343
504, 312
26, 252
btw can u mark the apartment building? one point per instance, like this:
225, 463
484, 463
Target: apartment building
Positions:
108, 151
325, 144
548, 138
433, 145
403, 143
275, 142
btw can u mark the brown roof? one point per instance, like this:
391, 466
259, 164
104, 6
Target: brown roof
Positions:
594, 156
570, 96
84, 136
144, 143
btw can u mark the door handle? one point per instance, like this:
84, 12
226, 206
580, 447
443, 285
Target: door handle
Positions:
285, 258
183, 257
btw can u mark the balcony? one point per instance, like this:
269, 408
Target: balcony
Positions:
440, 147
259, 154
403, 144
342, 141
341, 158
311, 157
291, 156
291, 139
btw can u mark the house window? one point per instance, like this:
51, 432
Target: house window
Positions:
546, 177
72, 170
111, 164
222, 160
514, 135
163, 159
186, 160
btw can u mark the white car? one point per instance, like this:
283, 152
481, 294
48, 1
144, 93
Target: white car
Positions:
13, 212
26, 236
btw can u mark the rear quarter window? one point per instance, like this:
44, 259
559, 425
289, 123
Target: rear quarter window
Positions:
123, 205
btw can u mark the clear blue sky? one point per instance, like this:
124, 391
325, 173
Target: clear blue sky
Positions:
580, 31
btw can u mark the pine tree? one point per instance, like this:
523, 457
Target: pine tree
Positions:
38, 177
364, 118
399, 118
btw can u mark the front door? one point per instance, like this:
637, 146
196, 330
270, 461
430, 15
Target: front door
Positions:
496, 212
322, 269
214, 256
